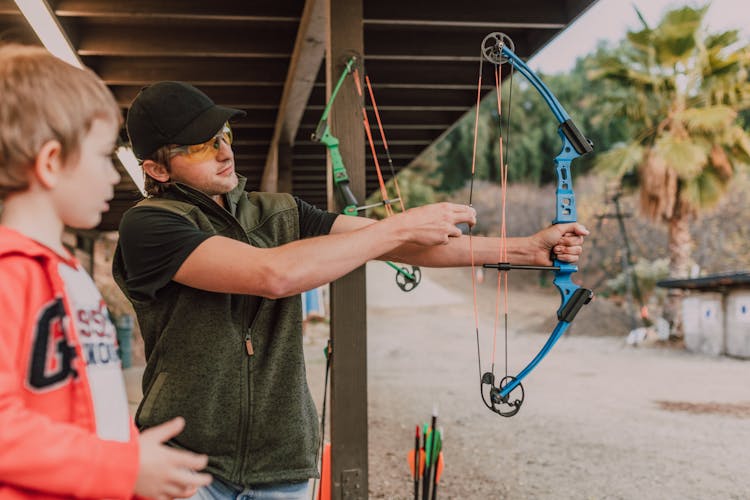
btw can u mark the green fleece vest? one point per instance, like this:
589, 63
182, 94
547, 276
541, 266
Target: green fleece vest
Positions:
252, 415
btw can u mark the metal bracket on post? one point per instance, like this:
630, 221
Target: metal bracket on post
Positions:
351, 485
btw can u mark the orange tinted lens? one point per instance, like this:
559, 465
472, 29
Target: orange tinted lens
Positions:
206, 150
203, 151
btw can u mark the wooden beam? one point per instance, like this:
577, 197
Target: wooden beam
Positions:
200, 71
348, 299
215, 10
309, 48
448, 23
396, 148
484, 12
410, 116
188, 40
233, 96
9, 7
429, 44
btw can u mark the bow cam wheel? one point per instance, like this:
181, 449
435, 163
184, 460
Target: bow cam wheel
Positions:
407, 283
492, 47
505, 406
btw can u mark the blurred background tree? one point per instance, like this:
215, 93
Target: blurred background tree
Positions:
681, 90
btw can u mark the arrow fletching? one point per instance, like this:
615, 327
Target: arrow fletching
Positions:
439, 470
412, 462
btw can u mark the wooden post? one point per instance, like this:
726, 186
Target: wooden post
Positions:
348, 301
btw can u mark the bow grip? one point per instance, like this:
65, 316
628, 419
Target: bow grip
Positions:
340, 175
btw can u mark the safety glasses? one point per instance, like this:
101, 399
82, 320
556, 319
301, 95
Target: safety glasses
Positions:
205, 150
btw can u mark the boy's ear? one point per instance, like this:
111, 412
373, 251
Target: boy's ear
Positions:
155, 170
48, 164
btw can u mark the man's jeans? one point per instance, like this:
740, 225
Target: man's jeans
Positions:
219, 490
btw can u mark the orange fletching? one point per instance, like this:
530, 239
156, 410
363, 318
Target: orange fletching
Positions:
421, 458
324, 491
439, 471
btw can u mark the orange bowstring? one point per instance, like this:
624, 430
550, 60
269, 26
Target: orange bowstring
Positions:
385, 143
502, 279
366, 122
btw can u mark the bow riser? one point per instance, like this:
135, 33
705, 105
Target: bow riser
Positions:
565, 199
339, 173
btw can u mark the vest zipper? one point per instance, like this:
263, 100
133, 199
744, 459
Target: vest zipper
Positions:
244, 424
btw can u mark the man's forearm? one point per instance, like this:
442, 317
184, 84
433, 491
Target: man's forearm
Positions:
457, 252
564, 240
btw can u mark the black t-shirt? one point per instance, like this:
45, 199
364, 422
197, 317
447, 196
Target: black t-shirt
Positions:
155, 242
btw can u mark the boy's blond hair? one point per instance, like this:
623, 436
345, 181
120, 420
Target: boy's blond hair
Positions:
43, 98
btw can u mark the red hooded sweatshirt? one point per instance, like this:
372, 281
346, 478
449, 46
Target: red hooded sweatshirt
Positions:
65, 430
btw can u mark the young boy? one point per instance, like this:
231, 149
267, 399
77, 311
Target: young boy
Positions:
64, 424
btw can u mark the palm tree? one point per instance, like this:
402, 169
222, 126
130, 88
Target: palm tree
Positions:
681, 89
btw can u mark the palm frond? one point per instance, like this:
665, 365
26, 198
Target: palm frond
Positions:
738, 142
720, 41
708, 119
705, 191
675, 36
620, 160
685, 157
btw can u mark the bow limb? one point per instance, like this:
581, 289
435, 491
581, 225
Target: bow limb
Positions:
323, 135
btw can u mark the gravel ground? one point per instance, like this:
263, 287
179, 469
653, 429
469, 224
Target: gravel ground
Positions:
600, 420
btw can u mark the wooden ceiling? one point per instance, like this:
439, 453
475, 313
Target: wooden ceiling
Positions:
421, 56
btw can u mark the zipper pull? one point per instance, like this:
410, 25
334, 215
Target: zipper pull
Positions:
249, 345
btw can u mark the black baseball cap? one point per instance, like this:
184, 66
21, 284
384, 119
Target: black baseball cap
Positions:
173, 113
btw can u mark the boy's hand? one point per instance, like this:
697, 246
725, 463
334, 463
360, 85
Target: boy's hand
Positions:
564, 241
166, 472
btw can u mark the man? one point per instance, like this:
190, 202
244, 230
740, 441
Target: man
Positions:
214, 275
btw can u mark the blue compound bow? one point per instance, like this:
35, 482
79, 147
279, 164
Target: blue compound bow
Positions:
506, 396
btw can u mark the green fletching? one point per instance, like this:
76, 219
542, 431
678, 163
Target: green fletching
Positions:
437, 445
428, 448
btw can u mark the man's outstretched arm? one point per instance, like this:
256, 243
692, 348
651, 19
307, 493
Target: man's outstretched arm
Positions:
565, 241
225, 265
